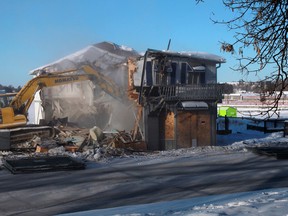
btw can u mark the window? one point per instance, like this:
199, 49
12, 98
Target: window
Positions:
195, 78
183, 73
166, 76
195, 75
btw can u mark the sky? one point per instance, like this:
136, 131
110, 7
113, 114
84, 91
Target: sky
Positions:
37, 32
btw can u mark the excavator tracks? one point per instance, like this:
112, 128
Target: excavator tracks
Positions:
12, 138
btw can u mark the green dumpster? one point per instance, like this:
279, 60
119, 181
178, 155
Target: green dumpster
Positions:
227, 111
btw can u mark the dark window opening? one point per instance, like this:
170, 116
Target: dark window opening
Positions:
149, 80
183, 73
195, 78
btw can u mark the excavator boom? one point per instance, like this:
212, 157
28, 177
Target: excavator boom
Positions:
14, 115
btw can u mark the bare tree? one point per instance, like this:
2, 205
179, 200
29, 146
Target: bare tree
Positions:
261, 25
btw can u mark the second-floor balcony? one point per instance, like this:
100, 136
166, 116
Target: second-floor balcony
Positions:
212, 92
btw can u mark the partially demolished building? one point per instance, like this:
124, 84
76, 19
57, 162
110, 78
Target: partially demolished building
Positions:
179, 95
89, 104
169, 98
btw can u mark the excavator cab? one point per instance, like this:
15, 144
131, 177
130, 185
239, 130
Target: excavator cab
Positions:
7, 115
10, 120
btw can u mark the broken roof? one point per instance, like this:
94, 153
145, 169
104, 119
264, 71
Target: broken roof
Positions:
186, 54
103, 55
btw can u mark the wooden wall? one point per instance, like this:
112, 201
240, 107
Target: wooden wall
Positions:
180, 129
193, 129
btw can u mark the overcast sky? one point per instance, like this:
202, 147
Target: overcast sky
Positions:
38, 32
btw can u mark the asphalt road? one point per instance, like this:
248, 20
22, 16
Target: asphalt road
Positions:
118, 184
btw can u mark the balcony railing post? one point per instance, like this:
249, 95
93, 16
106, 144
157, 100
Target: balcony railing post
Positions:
191, 92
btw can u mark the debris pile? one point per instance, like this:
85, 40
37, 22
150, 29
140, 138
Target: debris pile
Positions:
81, 140
82, 143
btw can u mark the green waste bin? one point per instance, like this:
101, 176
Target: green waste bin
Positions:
227, 111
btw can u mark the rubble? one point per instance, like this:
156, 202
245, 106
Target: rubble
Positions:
125, 140
80, 143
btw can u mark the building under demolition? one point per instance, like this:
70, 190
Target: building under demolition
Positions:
178, 93
168, 98
88, 103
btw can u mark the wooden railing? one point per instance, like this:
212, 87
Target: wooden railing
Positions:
191, 92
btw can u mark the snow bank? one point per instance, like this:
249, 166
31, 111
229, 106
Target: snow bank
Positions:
264, 203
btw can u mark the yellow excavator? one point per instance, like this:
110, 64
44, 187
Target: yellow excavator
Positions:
13, 117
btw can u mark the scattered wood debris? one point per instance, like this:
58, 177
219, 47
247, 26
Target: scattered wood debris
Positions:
122, 139
79, 140
83, 143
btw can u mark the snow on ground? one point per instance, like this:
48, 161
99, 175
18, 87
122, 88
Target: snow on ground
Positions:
266, 202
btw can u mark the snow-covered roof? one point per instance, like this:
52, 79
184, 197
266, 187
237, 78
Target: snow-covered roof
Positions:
189, 54
103, 55
107, 54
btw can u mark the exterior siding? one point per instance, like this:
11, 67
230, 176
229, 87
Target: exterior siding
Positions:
165, 81
193, 129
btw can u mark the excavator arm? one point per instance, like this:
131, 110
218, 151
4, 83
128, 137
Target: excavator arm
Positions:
107, 84
24, 98
13, 117
15, 114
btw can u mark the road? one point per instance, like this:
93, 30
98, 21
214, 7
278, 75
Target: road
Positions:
118, 184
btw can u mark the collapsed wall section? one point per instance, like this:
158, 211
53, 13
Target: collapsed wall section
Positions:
87, 104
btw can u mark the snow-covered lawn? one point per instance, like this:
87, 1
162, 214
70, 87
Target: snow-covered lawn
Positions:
265, 202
